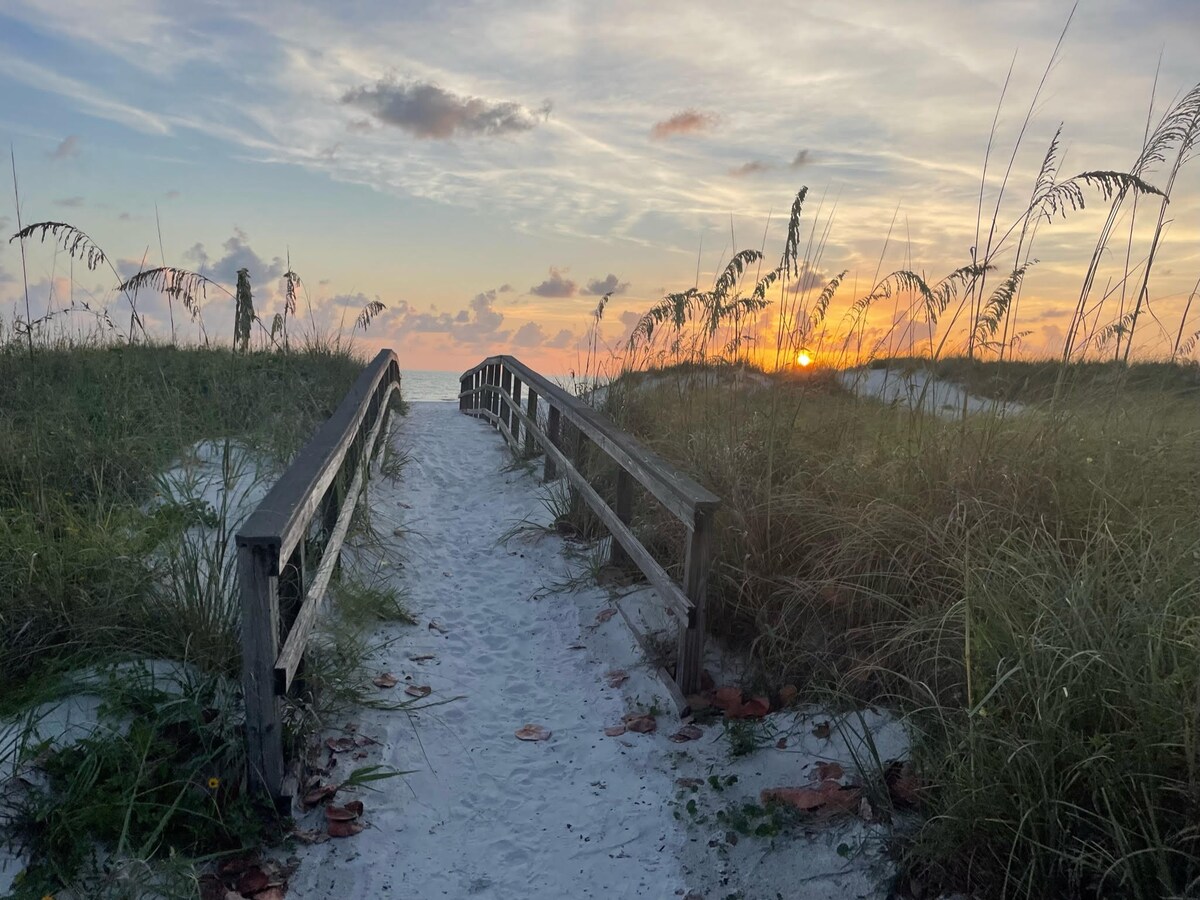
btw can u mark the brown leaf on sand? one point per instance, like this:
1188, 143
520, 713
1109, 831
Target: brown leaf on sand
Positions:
343, 813
252, 881
614, 730
728, 700
828, 795
319, 793
821, 730
617, 677
781, 744
418, 690
788, 694
310, 837
421, 657
754, 708
532, 733
605, 614
345, 829
355, 806
687, 733
435, 625
642, 723
340, 745
829, 771
386, 680
903, 784
236, 865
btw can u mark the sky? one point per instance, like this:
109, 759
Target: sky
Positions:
488, 171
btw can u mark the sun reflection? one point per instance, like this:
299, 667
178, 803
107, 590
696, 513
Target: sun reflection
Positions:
803, 359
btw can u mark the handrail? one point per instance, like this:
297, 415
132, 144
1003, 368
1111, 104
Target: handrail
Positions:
492, 390
281, 591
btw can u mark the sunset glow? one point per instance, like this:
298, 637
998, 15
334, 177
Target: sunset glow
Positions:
803, 359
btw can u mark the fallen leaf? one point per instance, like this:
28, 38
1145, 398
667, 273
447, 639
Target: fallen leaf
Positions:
727, 699
252, 881
821, 730
355, 806
687, 733
641, 723
605, 614
343, 813
617, 677
435, 625
361, 754
422, 657
340, 745
781, 744
274, 892
345, 829
829, 794
532, 733
418, 690
787, 694
310, 837
614, 730
386, 680
829, 771
317, 794
903, 784
689, 782
364, 740
236, 865
754, 708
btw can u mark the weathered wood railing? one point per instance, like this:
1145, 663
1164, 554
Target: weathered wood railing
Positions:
493, 391
305, 514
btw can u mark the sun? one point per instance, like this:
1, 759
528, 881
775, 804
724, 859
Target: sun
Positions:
803, 359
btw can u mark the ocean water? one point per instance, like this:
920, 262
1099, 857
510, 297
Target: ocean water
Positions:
420, 385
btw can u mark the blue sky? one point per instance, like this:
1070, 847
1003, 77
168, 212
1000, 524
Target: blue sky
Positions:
432, 155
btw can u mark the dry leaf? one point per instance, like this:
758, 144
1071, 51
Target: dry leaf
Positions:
236, 865
532, 733
386, 680
821, 730
687, 733
418, 690
310, 837
754, 708
252, 881
829, 771
827, 794
727, 699
781, 744
614, 730
361, 754
421, 657
317, 794
617, 677
605, 614
274, 892
345, 829
343, 813
340, 745
640, 723
787, 694
435, 625
689, 782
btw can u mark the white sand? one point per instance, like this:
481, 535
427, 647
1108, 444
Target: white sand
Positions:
582, 814
915, 389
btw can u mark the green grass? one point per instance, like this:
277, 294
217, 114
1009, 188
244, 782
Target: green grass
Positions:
1025, 588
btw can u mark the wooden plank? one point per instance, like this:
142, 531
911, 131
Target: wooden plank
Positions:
624, 510
531, 405
513, 425
554, 433
671, 594
690, 658
288, 660
257, 580
282, 517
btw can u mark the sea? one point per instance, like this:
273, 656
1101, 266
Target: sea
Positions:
419, 384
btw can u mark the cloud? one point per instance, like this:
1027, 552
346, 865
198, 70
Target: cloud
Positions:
529, 335
70, 202
430, 112
564, 338
68, 148
555, 286
360, 126
504, 288
802, 158
597, 287
690, 121
238, 255
480, 322
754, 167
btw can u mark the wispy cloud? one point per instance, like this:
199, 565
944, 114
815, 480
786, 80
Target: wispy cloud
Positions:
428, 111
557, 285
754, 167
690, 121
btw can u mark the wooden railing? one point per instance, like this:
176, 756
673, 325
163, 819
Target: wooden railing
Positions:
495, 389
287, 551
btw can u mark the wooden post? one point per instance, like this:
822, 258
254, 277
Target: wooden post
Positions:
464, 385
501, 407
690, 658
624, 510
576, 439
493, 397
531, 411
553, 432
514, 422
257, 567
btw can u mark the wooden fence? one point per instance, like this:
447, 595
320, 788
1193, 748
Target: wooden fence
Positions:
495, 390
287, 551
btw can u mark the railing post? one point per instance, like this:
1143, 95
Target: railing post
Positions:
493, 397
531, 411
502, 407
553, 432
690, 656
464, 385
624, 510
257, 568
514, 421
